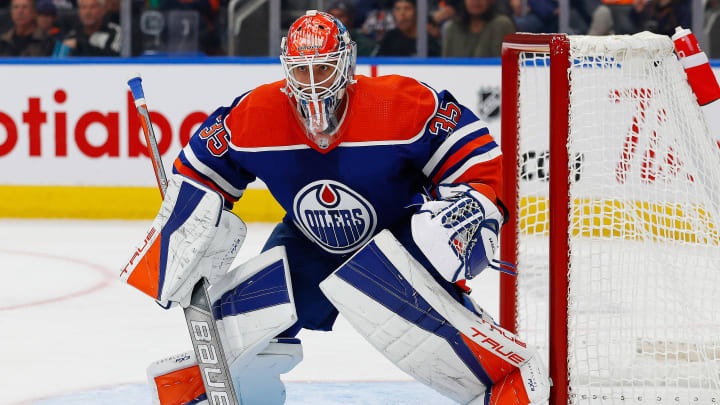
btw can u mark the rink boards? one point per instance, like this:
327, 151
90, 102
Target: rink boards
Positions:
71, 144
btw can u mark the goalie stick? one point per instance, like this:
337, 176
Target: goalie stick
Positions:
198, 314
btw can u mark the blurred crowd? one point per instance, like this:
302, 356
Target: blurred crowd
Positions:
455, 28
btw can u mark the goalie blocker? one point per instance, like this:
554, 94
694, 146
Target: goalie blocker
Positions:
191, 237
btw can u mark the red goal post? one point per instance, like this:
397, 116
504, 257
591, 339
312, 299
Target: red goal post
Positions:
602, 231
513, 45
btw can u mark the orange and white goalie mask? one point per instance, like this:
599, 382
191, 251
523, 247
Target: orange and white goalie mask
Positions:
318, 57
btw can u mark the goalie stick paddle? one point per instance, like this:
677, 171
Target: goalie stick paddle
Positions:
198, 315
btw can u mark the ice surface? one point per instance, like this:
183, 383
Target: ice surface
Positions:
72, 333
298, 393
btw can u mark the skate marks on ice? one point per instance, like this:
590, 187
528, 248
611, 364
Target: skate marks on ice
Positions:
298, 393
89, 338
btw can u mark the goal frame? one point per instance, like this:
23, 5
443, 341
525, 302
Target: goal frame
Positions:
558, 47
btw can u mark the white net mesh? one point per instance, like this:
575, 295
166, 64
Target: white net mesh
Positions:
644, 320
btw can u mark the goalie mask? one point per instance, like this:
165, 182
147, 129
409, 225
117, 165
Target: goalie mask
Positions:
318, 58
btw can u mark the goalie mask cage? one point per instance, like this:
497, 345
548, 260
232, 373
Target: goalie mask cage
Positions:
614, 219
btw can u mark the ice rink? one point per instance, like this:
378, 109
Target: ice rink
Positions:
72, 333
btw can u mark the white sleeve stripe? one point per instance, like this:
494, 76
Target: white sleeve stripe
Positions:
269, 148
485, 157
224, 120
437, 105
210, 173
449, 142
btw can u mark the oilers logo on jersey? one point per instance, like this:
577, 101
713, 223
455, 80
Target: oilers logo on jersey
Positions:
334, 216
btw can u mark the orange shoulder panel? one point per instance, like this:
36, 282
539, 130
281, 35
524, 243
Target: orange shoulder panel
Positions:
263, 118
388, 108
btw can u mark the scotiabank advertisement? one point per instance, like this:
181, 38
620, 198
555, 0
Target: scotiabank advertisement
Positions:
76, 124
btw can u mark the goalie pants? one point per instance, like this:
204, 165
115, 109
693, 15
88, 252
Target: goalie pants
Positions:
309, 265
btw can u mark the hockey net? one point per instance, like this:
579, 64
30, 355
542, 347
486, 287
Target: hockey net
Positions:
615, 217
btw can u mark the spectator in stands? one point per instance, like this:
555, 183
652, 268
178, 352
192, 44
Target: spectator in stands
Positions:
345, 12
661, 16
25, 38
47, 17
542, 16
440, 15
478, 31
47, 20
402, 40
208, 10
712, 29
378, 21
539, 16
112, 11
613, 17
93, 36
362, 9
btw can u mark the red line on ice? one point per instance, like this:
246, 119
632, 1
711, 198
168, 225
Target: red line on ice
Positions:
102, 270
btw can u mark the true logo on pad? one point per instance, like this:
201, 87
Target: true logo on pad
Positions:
334, 216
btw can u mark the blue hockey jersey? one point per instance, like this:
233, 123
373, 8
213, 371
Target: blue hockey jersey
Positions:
400, 137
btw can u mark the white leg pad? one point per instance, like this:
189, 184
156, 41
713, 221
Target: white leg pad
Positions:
398, 307
259, 383
253, 303
176, 379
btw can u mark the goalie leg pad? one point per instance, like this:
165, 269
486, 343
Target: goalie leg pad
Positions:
259, 382
177, 379
396, 304
252, 304
191, 237
527, 385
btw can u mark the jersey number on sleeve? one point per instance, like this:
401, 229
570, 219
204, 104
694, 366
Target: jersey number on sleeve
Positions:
446, 118
217, 138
